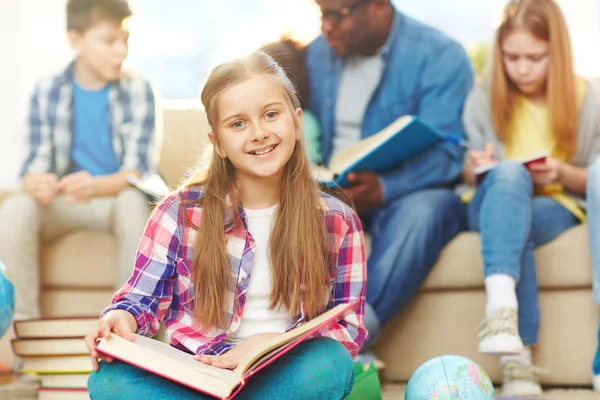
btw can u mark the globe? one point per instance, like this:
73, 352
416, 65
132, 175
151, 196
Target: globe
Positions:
449, 377
7, 300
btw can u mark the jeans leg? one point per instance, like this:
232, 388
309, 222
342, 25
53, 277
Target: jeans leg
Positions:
527, 297
549, 220
593, 213
318, 369
596, 363
121, 381
408, 236
501, 211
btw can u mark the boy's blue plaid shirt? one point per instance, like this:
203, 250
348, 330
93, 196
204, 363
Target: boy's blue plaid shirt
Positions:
50, 124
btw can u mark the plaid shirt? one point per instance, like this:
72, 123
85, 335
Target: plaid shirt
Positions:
161, 286
50, 124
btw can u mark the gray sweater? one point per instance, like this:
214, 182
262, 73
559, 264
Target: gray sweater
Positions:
479, 129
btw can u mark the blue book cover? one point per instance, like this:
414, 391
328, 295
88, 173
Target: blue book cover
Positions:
402, 139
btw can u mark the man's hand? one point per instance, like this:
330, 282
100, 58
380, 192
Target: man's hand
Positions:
232, 358
547, 173
78, 187
42, 187
365, 190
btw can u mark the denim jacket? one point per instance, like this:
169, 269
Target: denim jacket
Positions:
426, 74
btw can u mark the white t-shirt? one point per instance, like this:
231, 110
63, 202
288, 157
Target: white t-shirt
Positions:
257, 318
360, 78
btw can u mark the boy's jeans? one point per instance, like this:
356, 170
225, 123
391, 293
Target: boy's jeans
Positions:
24, 223
512, 223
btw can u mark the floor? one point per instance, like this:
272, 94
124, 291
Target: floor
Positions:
396, 392
26, 391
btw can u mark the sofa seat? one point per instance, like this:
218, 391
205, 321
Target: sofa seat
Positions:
562, 263
444, 317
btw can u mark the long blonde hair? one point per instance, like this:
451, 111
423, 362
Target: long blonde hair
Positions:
544, 20
299, 245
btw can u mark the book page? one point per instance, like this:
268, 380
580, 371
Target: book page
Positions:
321, 174
250, 360
152, 185
164, 360
346, 157
170, 351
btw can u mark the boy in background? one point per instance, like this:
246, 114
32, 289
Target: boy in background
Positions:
89, 127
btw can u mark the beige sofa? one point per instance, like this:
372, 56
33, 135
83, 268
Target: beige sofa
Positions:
442, 319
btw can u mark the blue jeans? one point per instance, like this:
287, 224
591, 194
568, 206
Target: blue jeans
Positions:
407, 237
593, 214
512, 223
320, 368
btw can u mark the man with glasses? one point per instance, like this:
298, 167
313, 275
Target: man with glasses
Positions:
372, 65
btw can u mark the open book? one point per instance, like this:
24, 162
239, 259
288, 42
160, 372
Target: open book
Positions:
404, 138
170, 363
481, 171
153, 185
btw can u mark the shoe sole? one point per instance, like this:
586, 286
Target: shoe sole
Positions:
501, 345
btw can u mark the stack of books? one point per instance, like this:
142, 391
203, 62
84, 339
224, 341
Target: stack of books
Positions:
53, 351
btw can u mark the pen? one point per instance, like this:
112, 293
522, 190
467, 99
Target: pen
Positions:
460, 142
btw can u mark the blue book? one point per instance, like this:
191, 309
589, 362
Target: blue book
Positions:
402, 139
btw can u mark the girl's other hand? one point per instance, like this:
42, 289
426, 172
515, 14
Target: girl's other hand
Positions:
120, 322
547, 173
232, 358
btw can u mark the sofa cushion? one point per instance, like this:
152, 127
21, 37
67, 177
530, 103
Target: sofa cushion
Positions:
73, 302
566, 263
81, 259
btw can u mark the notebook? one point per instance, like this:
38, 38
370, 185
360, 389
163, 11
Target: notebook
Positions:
481, 172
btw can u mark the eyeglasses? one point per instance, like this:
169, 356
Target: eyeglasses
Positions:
335, 17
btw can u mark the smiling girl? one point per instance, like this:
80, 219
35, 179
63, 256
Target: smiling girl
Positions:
532, 103
247, 250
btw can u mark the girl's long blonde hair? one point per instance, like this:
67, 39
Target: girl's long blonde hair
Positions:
299, 245
544, 20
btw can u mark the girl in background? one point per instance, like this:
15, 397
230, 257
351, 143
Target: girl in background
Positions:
531, 103
245, 251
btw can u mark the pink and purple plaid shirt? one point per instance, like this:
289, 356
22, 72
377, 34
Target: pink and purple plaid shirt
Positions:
161, 288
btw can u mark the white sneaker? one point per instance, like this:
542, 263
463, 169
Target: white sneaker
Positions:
499, 333
519, 379
596, 382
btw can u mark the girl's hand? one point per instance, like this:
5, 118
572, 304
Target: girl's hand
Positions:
120, 322
232, 358
544, 174
477, 158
